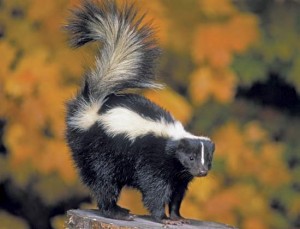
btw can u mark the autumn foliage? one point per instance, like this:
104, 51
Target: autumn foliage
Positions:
215, 52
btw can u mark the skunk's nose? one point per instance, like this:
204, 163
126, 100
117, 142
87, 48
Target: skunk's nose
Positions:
203, 172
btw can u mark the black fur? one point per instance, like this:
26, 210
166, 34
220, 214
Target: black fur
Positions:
160, 167
138, 104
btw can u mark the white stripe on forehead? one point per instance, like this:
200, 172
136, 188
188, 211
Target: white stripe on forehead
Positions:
202, 153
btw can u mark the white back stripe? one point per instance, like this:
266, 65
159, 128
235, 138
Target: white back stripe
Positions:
121, 120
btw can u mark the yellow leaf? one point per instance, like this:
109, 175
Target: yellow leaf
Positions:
190, 209
254, 132
208, 187
217, 7
271, 157
9, 221
222, 206
295, 207
58, 222
207, 82
132, 199
15, 140
61, 161
223, 85
9, 52
233, 145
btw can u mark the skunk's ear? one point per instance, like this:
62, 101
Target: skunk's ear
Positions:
211, 147
177, 145
172, 145
183, 143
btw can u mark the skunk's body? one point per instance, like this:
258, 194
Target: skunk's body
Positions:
120, 139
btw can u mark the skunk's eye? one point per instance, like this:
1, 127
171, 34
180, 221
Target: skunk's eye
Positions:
191, 158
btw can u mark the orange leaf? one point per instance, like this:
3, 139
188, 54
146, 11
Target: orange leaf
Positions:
201, 84
217, 42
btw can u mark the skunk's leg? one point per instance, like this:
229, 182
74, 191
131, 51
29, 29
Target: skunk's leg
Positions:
155, 204
175, 203
107, 195
155, 197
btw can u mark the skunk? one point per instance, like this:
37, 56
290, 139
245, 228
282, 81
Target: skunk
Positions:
122, 139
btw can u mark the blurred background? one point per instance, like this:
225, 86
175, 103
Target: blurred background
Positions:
233, 73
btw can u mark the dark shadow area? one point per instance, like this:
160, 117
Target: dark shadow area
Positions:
2, 147
274, 92
25, 203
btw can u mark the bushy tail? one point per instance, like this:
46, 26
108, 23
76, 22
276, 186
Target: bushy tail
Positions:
128, 52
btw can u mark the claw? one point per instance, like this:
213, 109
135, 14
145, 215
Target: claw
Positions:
171, 222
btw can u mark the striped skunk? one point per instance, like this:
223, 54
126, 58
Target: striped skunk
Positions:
122, 139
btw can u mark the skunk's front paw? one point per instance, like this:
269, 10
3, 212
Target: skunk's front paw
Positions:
125, 210
117, 213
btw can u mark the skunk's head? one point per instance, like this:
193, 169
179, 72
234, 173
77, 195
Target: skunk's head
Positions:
194, 154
